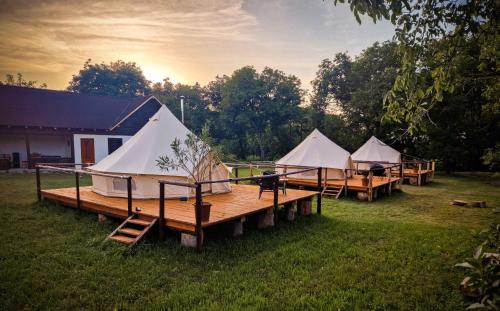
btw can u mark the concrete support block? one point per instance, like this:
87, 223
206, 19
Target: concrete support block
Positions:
189, 240
362, 196
304, 206
101, 218
290, 214
413, 181
266, 220
238, 227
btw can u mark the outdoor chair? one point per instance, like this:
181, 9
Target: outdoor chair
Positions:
267, 184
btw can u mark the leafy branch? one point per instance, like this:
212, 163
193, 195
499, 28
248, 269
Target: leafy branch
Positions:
194, 156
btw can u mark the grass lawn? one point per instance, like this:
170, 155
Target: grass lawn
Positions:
396, 253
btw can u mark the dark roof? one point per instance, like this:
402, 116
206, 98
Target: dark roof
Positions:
21, 106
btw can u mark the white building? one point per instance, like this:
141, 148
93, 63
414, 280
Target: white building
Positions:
47, 126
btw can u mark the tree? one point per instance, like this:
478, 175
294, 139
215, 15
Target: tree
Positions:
115, 79
212, 92
440, 28
463, 126
197, 111
20, 81
255, 108
354, 90
330, 86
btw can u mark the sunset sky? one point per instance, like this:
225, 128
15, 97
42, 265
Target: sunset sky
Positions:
187, 41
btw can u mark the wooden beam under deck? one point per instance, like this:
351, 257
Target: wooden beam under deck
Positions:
180, 215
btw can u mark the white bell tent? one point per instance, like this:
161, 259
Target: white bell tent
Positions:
316, 150
138, 158
375, 150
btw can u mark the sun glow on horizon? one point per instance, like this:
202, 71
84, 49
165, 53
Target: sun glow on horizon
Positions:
158, 74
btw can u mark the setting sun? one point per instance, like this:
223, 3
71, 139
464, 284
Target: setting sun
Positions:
158, 74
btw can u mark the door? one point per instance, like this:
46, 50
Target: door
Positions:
87, 150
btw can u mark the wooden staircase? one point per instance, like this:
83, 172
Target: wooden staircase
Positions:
132, 230
335, 191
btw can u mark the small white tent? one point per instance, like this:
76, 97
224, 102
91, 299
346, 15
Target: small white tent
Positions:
316, 150
374, 150
138, 157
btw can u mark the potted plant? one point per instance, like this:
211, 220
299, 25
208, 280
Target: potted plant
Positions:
364, 180
196, 158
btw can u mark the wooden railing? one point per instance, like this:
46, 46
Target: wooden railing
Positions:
77, 173
198, 197
388, 169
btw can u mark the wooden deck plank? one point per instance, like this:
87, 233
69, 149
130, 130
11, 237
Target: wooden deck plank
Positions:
241, 201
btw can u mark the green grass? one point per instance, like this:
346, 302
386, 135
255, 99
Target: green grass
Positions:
396, 253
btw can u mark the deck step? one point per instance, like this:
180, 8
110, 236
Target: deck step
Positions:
131, 236
122, 239
139, 222
130, 231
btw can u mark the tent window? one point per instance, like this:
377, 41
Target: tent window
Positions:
113, 144
121, 184
309, 173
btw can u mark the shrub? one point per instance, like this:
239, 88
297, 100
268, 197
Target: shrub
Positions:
481, 286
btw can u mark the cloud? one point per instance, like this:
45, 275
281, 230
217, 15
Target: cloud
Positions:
192, 40
74, 30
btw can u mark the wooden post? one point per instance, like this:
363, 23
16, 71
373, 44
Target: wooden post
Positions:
251, 170
357, 167
326, 178
370, 186
345, 183
197, 214
236, 174
419, 177
275, 199
77, 181
129, 195
38, 188
161, 213
318, 201
401, 173
389, 190
433, 168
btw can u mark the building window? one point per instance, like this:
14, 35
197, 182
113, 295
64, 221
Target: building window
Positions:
113, 144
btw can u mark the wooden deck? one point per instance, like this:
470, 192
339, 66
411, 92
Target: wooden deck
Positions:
180, 215
418, 177
412, 173
353, 184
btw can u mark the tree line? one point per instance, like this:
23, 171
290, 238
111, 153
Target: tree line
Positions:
431, 92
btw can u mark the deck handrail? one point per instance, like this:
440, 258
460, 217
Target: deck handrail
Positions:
257, 177
88, 172
77, 182
381, 162
198, 198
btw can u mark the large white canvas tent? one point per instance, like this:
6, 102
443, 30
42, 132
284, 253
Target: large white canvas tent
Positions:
316, 150
138, 158
374, 150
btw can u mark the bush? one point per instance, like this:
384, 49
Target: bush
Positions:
491, 158
481, 286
